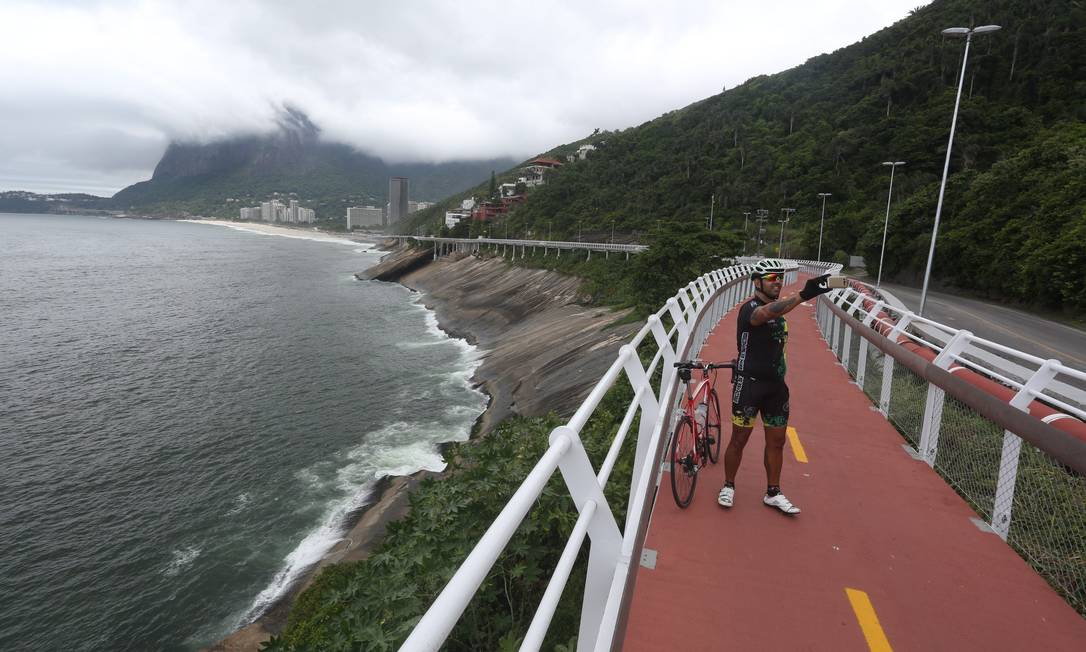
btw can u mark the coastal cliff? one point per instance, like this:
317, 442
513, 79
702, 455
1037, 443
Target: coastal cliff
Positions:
542, 349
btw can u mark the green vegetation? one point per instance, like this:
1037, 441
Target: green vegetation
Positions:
374, 604
1013, 225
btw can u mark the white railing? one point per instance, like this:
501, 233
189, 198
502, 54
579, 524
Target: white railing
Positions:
679, 327
943, 389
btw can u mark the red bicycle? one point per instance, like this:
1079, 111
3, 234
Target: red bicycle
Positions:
697, 434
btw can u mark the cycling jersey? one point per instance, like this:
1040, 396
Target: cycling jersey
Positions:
761, 348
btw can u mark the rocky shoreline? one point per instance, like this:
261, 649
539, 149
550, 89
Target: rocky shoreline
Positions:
542, 350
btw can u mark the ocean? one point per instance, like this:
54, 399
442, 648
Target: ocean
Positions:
188, 415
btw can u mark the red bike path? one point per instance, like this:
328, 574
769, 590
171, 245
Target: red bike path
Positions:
874, 520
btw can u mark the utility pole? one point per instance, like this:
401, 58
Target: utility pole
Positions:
763, 217
712, 202
785, 220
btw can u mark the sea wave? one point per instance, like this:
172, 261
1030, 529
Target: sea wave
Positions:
182, 559
400, 448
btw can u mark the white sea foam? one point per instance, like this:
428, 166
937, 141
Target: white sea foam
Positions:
399, 448
241, 502
310, 551
182, 559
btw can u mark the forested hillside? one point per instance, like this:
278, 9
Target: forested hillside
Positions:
1013, 224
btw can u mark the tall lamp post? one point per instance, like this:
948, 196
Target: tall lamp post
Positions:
968, 34
746, 235
822, 223
886, 223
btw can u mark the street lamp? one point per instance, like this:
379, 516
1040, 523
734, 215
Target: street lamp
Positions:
746, 234
886, 223
968, 34
821, 224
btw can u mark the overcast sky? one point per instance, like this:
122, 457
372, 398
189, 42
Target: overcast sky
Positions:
91, 92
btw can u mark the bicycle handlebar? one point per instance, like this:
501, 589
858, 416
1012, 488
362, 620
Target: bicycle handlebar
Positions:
707, 366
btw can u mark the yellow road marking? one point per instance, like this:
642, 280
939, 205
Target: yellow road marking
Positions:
797, 448
869, 622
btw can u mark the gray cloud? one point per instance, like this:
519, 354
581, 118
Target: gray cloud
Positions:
94, 91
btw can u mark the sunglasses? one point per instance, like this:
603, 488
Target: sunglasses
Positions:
772, 278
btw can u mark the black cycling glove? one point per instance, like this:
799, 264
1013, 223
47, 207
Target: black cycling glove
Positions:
814, 287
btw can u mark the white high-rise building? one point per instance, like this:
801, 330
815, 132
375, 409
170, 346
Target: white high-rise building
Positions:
364, 216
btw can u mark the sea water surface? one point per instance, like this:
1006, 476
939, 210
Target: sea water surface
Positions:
189, 413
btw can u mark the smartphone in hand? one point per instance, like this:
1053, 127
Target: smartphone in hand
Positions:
837, 282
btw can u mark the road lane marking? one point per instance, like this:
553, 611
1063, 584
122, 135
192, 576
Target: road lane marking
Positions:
869, 622
797, 447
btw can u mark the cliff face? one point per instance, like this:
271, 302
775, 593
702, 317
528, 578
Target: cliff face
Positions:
544, 349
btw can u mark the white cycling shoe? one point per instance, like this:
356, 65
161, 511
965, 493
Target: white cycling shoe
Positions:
781, 503
726, 498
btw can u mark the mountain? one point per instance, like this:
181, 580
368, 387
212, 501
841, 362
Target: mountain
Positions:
22, 201
217, 178
1013, 223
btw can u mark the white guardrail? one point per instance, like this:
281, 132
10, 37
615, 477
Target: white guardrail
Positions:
677, 328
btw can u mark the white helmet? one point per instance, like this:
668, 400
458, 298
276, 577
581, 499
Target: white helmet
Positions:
767, 266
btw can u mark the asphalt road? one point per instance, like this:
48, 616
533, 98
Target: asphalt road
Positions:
1014, 328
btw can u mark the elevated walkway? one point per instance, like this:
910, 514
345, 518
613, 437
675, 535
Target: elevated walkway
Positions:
884, 556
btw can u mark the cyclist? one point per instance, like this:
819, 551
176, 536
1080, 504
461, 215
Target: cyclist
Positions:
759, 385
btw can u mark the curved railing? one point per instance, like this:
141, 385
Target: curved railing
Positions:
679, 328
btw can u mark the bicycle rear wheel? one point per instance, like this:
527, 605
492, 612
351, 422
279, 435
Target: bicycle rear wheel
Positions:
714, 430
683, 467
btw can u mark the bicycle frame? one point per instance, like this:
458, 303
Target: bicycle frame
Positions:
692, 447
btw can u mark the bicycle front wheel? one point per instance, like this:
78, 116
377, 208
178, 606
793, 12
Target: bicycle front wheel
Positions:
714, 429
683, 466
